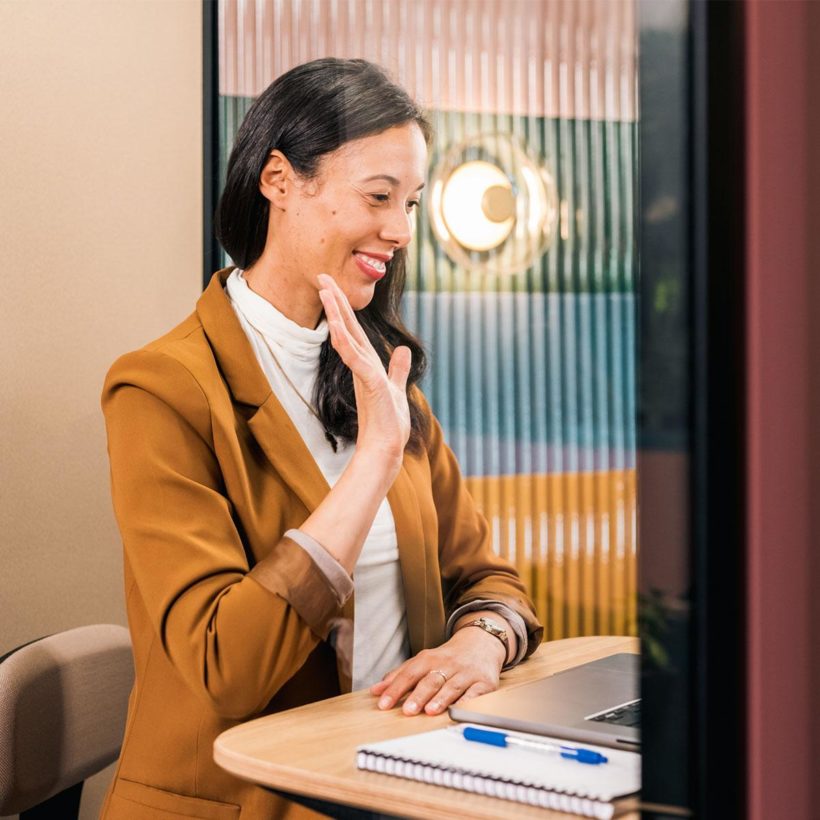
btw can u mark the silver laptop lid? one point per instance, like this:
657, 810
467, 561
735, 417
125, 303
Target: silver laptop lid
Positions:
579, 704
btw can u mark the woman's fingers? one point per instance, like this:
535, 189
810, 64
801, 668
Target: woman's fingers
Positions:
346, 334
340, 337
428, 686
436, 678
401, 680
433, 694
395, 689
333, 302
352, 344
478, 688
455, 692
431, 691
399, 368
345, 310
378, 688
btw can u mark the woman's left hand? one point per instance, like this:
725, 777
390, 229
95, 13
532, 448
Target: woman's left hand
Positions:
470, 661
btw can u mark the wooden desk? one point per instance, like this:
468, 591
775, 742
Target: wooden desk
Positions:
319, 759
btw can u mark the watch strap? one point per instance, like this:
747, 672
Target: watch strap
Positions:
492, 628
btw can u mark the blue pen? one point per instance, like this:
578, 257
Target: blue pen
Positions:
503, 739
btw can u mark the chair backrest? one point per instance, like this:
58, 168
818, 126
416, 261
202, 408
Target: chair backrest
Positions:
63, 702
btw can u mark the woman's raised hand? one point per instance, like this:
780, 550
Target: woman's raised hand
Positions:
381, 397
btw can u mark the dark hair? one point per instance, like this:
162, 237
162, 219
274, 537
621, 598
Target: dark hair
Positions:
308, 112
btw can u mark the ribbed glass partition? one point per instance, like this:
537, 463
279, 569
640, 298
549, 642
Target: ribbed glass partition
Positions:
532, 372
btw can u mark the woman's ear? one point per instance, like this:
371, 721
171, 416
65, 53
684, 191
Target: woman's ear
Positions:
276, 179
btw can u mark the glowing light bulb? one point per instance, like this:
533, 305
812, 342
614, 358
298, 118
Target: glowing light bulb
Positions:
478, 205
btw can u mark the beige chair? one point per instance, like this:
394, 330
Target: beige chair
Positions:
63, 701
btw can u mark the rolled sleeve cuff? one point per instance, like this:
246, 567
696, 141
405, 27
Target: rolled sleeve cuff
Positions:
515, 621
336, 574
291, 573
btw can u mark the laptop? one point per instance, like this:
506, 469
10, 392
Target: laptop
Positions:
596, 703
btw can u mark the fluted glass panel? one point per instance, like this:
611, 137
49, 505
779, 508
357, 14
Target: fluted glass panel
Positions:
532, 372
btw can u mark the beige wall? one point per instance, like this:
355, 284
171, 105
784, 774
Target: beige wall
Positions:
100, 219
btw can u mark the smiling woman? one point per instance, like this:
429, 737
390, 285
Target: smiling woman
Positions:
327, 166
272, 458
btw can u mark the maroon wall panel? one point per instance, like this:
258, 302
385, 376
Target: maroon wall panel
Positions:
779, 358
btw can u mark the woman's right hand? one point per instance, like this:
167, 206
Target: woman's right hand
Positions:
381, 397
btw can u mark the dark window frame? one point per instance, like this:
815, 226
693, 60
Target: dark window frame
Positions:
694, 737
716, 663
718, 512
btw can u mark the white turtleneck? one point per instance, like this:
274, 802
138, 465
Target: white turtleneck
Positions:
380, 638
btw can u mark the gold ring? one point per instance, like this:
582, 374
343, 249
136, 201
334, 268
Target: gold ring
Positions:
438, 672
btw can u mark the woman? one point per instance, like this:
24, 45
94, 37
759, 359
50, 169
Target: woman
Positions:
274, 447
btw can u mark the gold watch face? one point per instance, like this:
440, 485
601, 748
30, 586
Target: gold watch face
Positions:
492, 628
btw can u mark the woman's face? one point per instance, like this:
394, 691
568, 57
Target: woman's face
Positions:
348, 221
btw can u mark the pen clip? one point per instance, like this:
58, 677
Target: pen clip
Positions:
583, 755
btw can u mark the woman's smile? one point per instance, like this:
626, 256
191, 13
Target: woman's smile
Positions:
374, 267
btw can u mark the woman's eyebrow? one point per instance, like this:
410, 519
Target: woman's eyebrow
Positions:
392, 180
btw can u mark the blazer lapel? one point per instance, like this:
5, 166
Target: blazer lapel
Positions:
287, 452
269, 422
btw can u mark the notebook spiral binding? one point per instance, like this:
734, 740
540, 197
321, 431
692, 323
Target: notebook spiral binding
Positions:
485, 784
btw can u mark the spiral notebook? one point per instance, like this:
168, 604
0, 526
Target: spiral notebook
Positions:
443, 757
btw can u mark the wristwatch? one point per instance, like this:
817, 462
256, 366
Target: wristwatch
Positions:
495, 629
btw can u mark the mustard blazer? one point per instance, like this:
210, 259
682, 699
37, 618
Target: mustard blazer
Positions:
208, 472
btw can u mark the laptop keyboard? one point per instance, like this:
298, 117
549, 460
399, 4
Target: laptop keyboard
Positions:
628, 714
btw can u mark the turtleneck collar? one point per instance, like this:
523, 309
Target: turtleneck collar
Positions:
302, 342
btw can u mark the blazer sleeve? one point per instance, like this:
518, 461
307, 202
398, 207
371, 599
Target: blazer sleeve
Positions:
233, 638
470, 568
